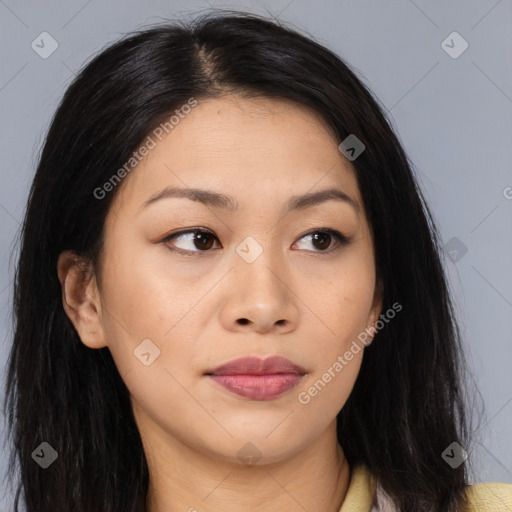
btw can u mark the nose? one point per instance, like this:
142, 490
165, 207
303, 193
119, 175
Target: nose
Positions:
260, 297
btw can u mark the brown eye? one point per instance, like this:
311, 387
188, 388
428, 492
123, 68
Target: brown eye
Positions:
322, 239
196, 240
203, 241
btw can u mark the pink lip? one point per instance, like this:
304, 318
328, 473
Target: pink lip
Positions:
258, 379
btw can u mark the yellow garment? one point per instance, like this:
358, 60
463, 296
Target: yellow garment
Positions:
490, 497
359, 497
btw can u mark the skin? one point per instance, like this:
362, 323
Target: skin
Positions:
302, 300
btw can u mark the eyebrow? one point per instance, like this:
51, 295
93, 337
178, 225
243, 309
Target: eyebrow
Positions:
229, 203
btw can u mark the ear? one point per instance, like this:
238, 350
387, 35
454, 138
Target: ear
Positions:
80, 298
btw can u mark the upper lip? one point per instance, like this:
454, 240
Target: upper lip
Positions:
258, 366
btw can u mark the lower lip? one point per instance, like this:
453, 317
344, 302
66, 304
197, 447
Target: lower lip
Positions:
258, 387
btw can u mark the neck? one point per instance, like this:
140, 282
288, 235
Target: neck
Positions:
182, 478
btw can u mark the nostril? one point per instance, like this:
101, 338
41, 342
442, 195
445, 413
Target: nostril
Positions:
243, 321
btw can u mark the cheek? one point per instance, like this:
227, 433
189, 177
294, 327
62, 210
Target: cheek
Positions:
326, 392
136, 291
158, 396
148, 317
345, 305
345, 301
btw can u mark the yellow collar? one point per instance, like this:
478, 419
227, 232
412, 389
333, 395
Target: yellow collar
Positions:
361, 491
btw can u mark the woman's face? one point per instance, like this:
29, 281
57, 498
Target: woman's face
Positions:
263, 278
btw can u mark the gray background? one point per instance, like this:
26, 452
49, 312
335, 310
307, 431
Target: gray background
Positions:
453, 115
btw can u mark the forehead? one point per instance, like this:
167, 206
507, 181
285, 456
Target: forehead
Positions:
251, 148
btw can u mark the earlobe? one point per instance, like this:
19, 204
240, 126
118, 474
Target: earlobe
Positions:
80, 298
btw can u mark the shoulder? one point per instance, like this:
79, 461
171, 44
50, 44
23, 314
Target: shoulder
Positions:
483, 497
365, 493
491, 497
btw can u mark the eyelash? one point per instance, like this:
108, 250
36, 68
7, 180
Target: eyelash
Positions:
338, 236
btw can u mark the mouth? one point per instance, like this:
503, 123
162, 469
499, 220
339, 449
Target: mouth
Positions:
258, 379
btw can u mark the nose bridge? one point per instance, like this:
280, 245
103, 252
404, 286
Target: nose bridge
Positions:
257, 267
258, 292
